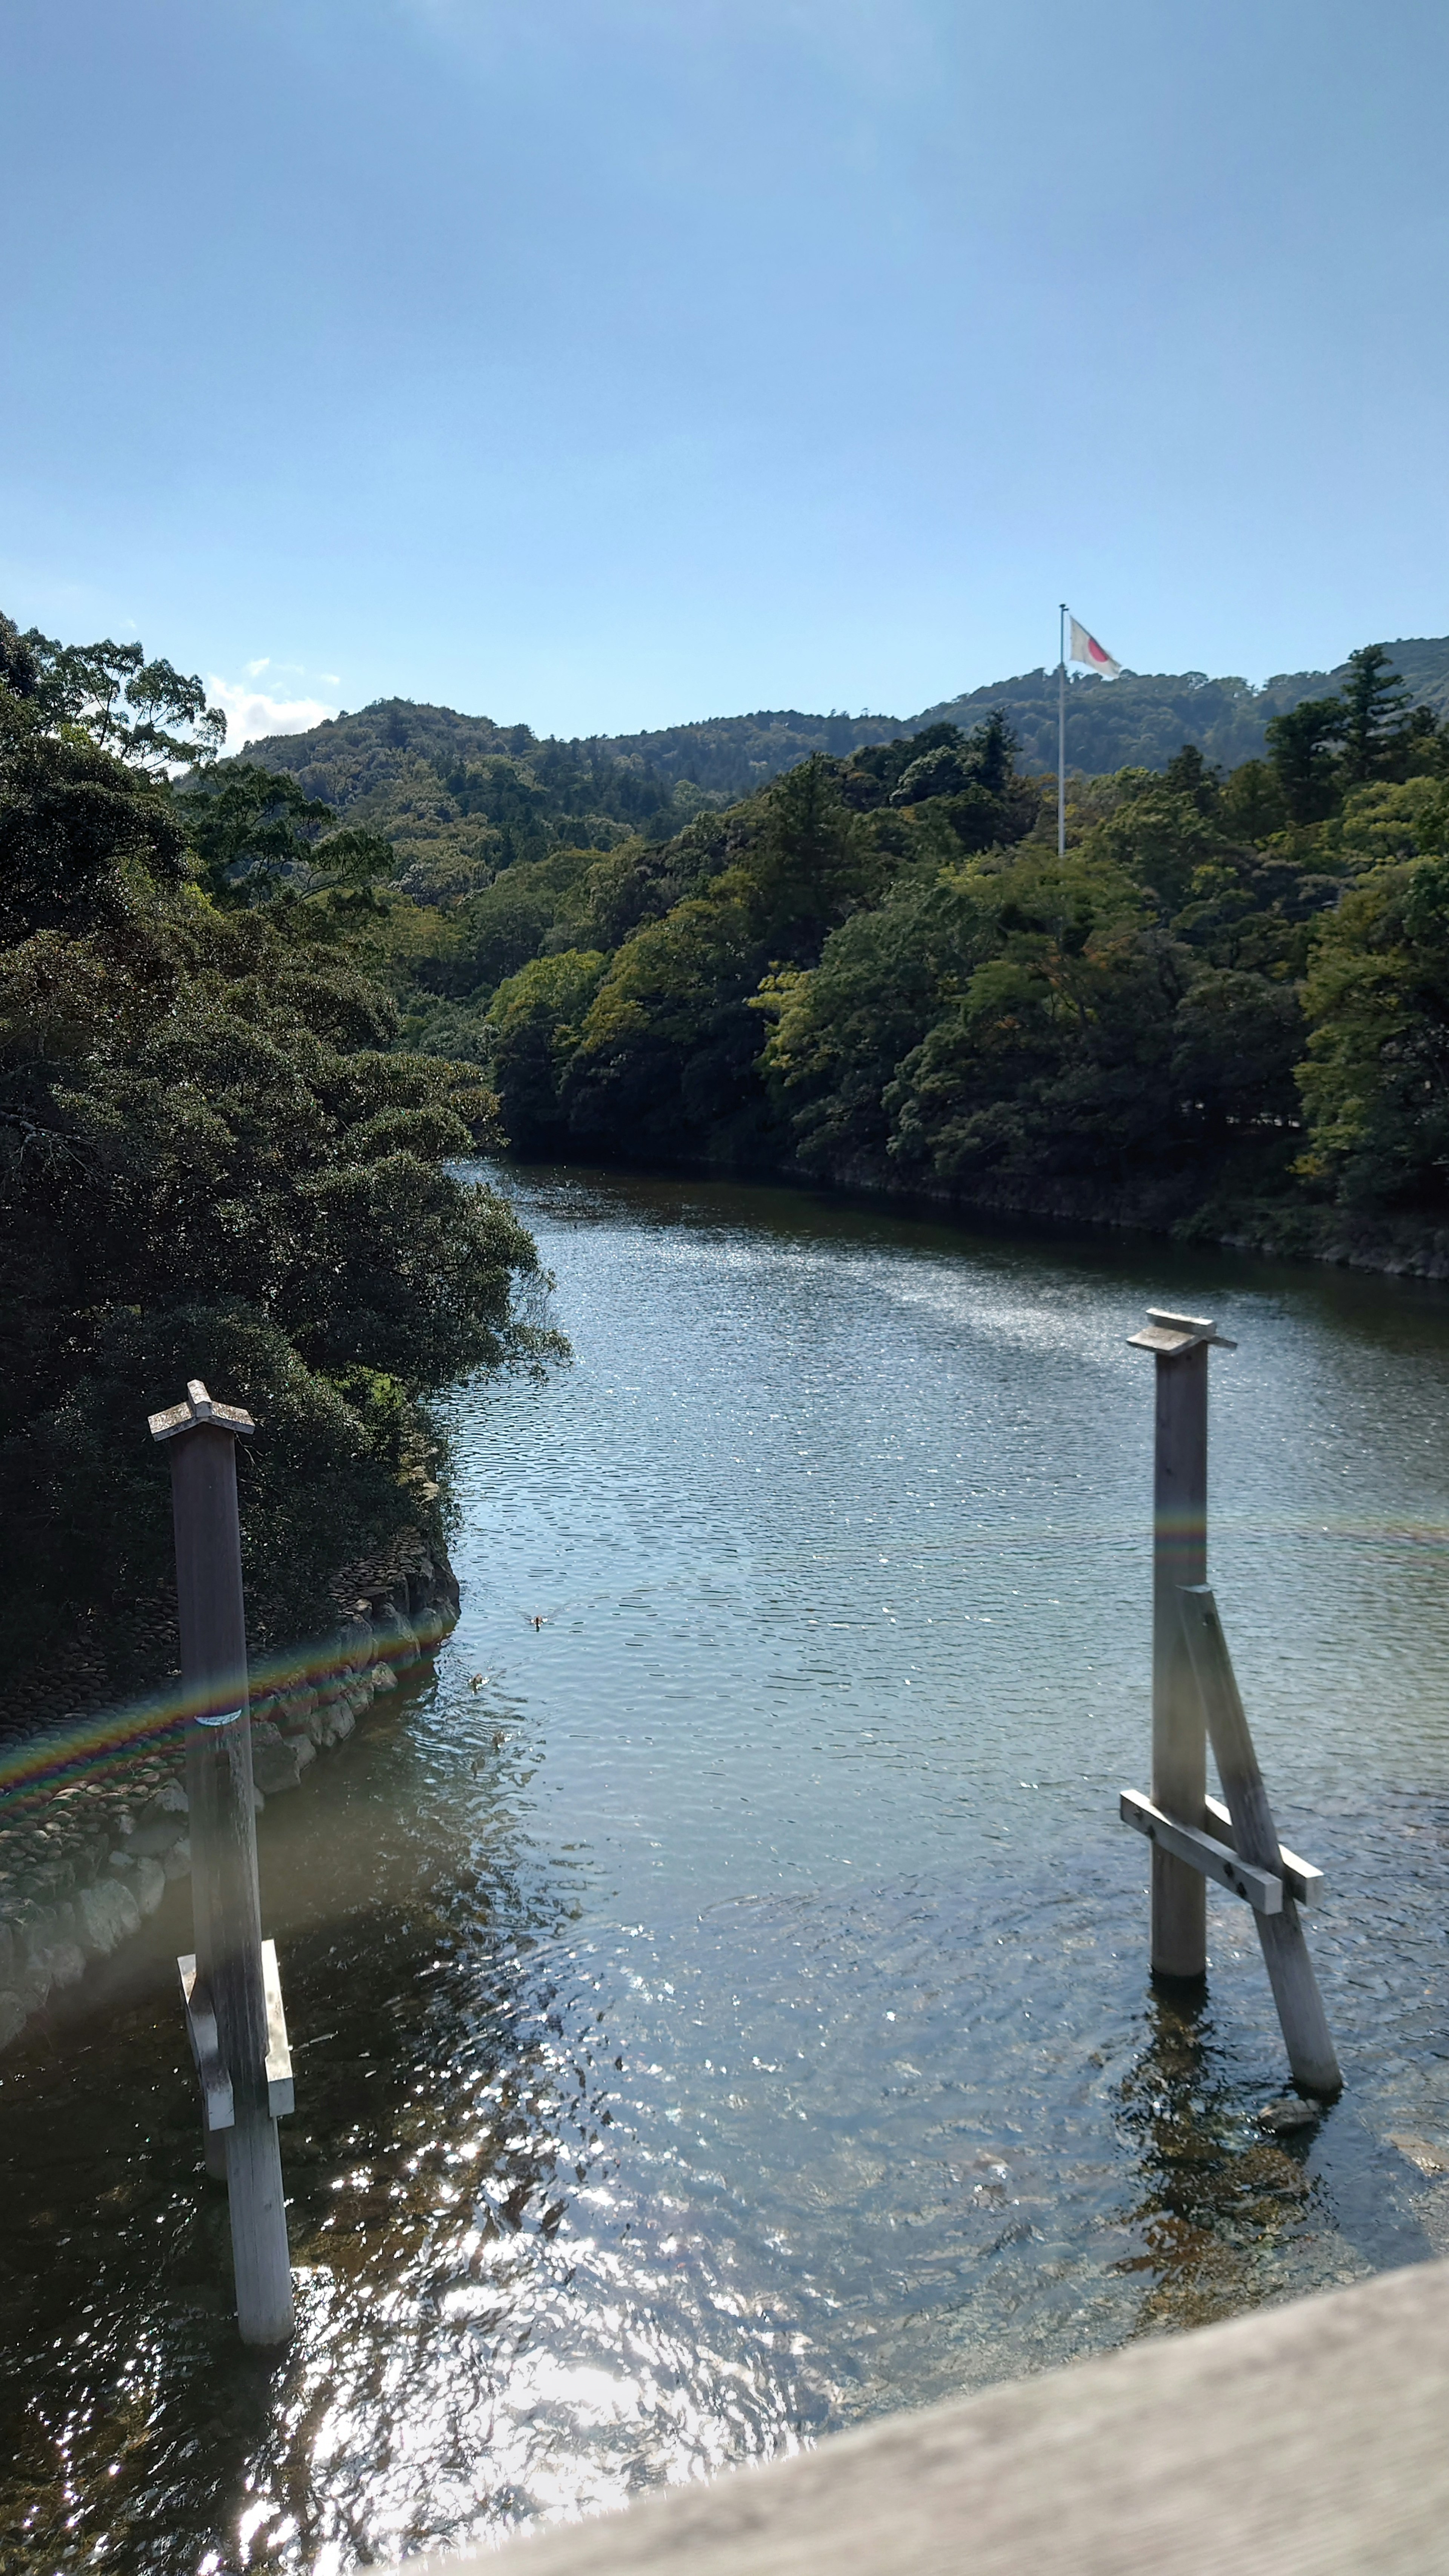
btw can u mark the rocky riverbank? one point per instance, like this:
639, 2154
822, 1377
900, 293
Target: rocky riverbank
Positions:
85, 1858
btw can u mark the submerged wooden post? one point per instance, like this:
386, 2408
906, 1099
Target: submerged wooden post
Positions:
1255, 1839
1180, 1344
1194, 1699
226, 1985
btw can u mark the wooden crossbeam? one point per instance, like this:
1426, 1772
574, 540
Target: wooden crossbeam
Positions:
1260, 1888
1304, 1883
280, 2096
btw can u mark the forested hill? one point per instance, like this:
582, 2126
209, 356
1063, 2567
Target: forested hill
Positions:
450, 789
1143, 719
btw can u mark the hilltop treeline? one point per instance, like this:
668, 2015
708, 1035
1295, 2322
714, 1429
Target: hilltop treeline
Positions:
215, 1158
459, 796
1231, 993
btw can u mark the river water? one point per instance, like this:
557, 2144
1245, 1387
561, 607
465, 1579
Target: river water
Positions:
719, 1991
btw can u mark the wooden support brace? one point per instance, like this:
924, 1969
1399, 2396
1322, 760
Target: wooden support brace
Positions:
218, 2104
1285, 1951
217, 2098
1260, 1888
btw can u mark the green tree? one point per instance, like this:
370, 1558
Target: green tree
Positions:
212, 1153
534, 1024
1392, 819
1303, 747
666, 1057
1374, 731
129, 706
1158, 836
255, 833
839, 1032
1252, 805
1375, 1081
1059, 1042
1189, 774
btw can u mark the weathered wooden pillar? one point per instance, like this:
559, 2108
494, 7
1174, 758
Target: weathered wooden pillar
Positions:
227, 1987
1180, 1345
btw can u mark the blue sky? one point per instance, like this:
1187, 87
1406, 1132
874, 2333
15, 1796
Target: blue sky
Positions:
610, 363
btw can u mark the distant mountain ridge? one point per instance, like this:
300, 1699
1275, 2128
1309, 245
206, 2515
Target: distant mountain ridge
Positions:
456, 792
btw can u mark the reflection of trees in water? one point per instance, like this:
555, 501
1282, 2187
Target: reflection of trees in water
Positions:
1217, 2196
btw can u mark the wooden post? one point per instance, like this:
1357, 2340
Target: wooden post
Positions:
1179, 1555
230, 1981
1180, 1345
1285, 1951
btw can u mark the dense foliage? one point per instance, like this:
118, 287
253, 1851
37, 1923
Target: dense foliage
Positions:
460, 799
1228, 995
252, 1013
215, 1160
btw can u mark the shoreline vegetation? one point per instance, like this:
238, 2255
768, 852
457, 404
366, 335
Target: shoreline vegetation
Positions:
255, 1013
1222, 1015
216, 1159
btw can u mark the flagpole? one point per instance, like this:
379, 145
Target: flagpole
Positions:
1062, 740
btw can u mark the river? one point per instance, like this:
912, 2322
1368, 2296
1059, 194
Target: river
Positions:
718, 1991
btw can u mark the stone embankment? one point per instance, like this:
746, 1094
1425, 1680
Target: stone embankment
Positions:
83, 1862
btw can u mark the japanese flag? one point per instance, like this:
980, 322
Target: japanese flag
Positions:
1083, 647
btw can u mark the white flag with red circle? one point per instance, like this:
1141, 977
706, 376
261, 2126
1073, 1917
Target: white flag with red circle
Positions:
1082, 647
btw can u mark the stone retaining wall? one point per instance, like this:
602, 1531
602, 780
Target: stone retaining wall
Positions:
82, 1864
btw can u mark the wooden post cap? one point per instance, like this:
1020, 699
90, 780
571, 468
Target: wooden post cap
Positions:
1170, 1335
199, 1407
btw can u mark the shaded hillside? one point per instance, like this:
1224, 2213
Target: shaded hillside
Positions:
734, 754
460, 796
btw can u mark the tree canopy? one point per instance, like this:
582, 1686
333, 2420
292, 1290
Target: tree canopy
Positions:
254, 1013
215, 1160
878, 970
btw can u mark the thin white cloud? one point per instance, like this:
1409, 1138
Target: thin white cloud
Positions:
251, 715
254, 670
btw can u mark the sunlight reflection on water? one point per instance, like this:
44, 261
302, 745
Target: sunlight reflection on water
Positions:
729, 2019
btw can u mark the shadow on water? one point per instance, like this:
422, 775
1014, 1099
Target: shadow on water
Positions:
463, 2359
1222, 2199
437, 2120
1218, 2194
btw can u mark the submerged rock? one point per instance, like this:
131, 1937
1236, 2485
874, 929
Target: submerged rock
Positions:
275, 1768
1282, 2117
149, 1884
105, 1914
